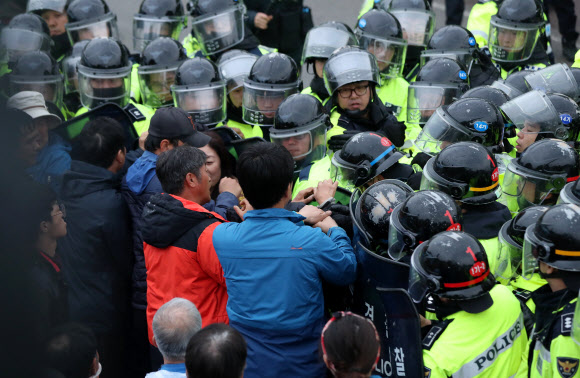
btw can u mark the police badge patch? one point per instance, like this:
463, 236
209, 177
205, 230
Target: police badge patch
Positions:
567, 367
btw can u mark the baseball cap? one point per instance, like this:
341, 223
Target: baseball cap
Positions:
32, 103
176, 123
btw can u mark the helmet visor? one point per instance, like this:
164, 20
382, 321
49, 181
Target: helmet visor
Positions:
206, 104
322, 41
418, 282
510, 91
439, 132
400, 240
532, 112
69, 70
51, 86
236, 69
430, 180
105, 26
16, 42
146, 29
424, 99
512, 42
305, 142
530, 253
155, 85
390, 54
40, 5
100, 86
342, 172
219, 32
567, 195
350, 67
464, 57
417, 25
509, 255
260, 102
555, 79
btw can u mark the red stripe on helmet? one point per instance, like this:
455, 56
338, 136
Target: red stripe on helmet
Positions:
467, 283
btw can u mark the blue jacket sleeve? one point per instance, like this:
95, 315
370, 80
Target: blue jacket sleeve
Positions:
336, 257
225, 201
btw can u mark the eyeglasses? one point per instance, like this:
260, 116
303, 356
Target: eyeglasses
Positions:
347, 92
62, 210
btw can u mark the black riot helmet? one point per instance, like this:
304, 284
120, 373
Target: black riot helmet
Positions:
511, 240
104, 61
157, 18
467, 119
419, 218
322, 40
380, 33
69, 66
200, 90
159, 62
557, 78
439, 82
540, 173
362, 158
89, 19
39, 6
37, 71
374, 210
217, 25
514, 85
416, 18
454, 42
273, 78
350, 65
25, 33
554, 240
452, 265
576, 73
570, 193
569, 112
467, 171
234, 66
300, 126
489, 93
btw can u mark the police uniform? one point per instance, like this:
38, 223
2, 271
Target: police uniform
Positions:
139, 114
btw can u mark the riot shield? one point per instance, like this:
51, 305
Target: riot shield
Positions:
359, 234
70, 129
382, 271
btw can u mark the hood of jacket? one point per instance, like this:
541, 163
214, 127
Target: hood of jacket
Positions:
141, 172
84, 178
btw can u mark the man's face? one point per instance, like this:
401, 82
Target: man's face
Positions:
526, 136
319, 67
298, 145
42, 127
354, 101
236, 96
511, 39
48, 90
430, 101
268, 104
56, 21
198, 102
219, 26
30, 146
383, 53
160, 83
205, 184
107, 83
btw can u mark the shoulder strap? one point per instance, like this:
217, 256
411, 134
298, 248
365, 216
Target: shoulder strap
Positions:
434, 333
134, 113
522, 294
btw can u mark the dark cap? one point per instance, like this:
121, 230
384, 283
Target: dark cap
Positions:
476, 305
176, 123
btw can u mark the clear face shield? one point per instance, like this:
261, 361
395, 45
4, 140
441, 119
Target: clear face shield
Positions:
532, 246
510, 91
465, 57
557, 78
218, 32
147, 28
50, 86
236, 69
400, 239
261, 101
306, 143
417, 25
567, 196
155, 83
69, 70
512, 42
100, 86
205, 103
104, 26
349, 68
16, 42
509, 256
390, 54
344, 173
524, 187
532, 112
439, 132
419, 282
322, 41
424, 99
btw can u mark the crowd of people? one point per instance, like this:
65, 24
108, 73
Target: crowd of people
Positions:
193, 209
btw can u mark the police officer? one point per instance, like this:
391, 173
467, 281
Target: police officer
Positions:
418, 219
157, 18
300, 127
458, 43
418, 23
538, 175
68, 67
488, 93
217, 26
514, 85
453, 267
88, 19
104, 75
552, 245
273, 77
469, 173
159, 62
319, 44
511, 240
25, 33
234, 66
570, 193
517, 36
569, 112
200, 90
53, 12
557, 78
351, 76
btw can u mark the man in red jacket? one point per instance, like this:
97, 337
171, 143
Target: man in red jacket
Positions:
177, 235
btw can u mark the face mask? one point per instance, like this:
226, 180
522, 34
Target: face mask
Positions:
109, 93
61, 45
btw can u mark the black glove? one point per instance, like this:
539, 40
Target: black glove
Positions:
394, 130
414, 181
341, 215
421, 159
336, 142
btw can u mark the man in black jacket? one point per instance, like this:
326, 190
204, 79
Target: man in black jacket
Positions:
96, 252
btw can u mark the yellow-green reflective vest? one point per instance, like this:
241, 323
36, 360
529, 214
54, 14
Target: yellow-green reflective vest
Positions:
248, 130
480, 19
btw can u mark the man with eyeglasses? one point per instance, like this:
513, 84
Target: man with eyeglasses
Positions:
351, 76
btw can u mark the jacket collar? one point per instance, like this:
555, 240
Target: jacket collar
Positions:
275, 213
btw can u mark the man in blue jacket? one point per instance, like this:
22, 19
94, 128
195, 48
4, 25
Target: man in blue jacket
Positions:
273, 265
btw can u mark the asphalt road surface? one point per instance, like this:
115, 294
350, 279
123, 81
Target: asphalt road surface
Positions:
327, 10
